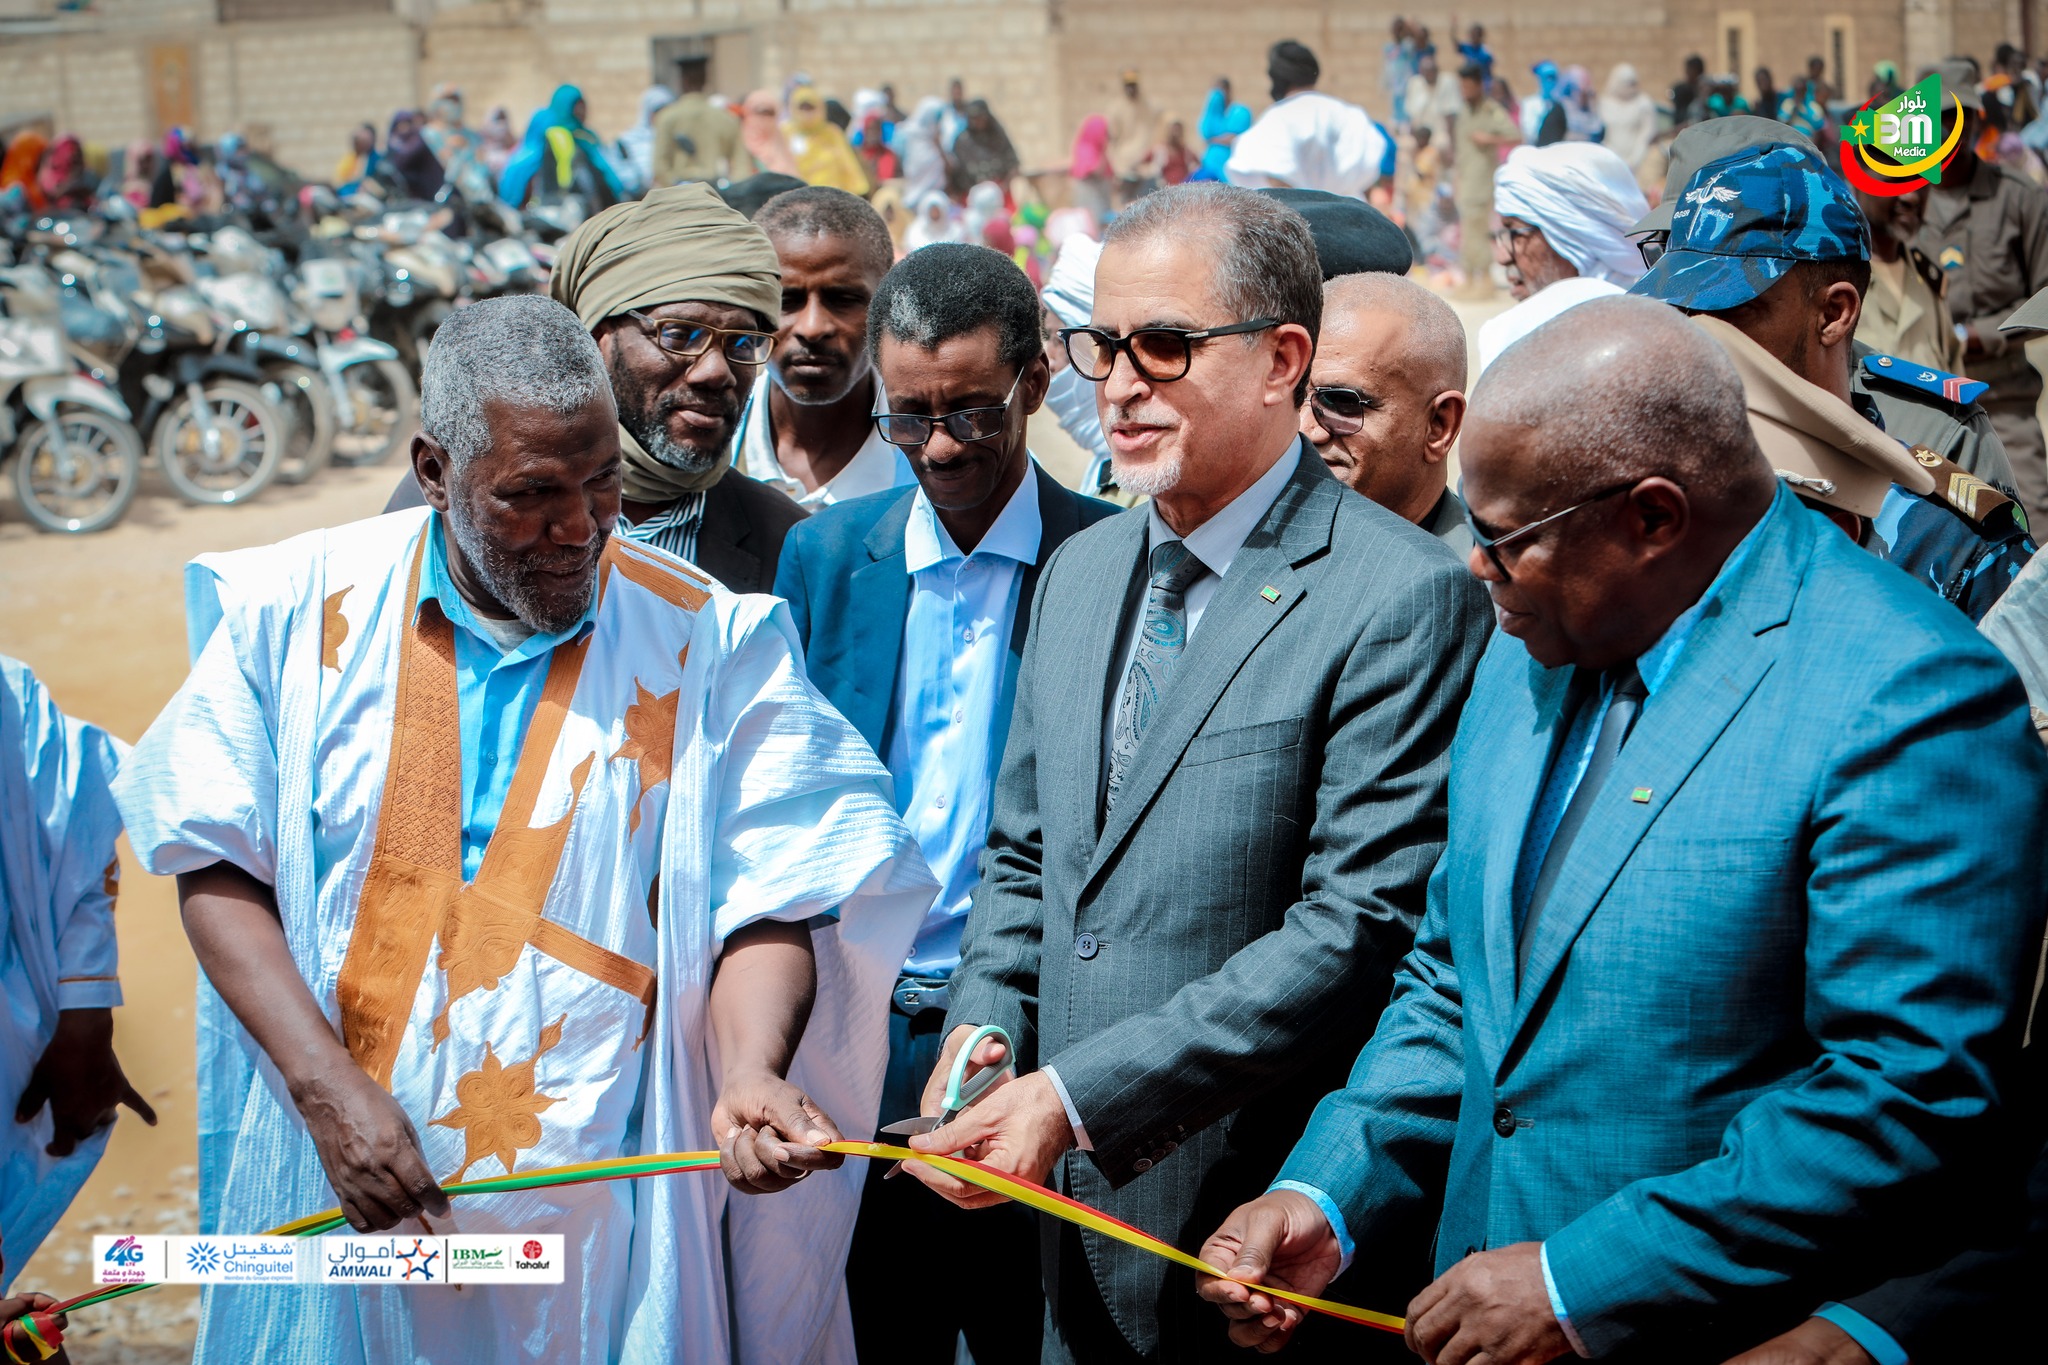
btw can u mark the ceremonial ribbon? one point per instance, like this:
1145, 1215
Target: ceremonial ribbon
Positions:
975, 1173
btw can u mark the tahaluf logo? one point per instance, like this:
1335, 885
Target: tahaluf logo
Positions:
1897, 147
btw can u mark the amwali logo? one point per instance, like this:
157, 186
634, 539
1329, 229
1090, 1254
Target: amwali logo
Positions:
1897, 147
419, 1262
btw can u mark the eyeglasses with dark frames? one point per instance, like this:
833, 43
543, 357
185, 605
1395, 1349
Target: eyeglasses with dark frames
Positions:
689, 340
913, 429
1505, 238
1340, 410
1652, 245
1492, 543
1160, 354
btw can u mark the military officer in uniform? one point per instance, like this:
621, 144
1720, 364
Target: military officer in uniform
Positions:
1919, 404
1988, 231
1905, 314
1770, 241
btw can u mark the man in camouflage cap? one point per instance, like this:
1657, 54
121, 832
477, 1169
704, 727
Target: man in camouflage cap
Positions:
1921, 406
1771, 241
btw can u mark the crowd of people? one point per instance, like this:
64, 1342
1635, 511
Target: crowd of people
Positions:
1598, 906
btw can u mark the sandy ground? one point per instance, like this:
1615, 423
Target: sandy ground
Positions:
101, 621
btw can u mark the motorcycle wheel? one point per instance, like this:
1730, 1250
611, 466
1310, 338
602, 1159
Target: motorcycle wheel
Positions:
383, 410
251, 443
299, 393
88, 491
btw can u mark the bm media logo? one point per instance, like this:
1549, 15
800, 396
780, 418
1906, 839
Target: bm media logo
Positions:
1897, 147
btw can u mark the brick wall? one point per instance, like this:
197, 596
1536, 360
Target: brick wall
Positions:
1042, 64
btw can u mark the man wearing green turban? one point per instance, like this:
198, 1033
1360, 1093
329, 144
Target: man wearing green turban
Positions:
682, 295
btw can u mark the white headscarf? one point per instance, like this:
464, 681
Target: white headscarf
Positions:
1584, 198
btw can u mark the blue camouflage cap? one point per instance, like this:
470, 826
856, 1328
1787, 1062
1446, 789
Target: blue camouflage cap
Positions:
1745, 220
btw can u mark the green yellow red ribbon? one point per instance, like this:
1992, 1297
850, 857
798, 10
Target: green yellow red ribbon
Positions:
1034, 1196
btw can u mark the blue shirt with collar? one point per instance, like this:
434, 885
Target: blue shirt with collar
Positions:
1654, 666
496, 691
947, 740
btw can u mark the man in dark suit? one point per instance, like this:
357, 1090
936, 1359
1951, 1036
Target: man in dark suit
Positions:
1224, 786
1718, 1001
912, 606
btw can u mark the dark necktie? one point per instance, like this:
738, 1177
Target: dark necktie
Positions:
1161, 639
1625, 700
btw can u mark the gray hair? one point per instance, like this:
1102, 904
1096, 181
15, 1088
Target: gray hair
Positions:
1625, 388
1436, 339
522, 349
822, 211
1264, 253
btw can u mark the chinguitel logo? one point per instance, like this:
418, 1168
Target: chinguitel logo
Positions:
125, 1251
203, 1258
532, 1251
1897, 147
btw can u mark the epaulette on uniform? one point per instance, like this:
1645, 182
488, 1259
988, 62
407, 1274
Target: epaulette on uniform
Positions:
1950, 388
1928, 270
1991, 512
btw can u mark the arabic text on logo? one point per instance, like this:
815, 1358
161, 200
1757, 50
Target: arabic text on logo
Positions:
1896, 147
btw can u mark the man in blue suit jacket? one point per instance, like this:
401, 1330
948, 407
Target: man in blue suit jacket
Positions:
912, 605
1724, 964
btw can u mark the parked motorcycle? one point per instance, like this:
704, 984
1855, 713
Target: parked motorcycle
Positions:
77, 459
375, 402
246, 301
204, 415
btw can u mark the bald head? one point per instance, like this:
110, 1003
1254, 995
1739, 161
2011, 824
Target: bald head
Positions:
1609, 456
1400, 351
1435, 339
1618, 388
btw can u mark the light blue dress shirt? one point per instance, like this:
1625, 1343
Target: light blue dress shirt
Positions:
1654, 666
947, 739
496, 690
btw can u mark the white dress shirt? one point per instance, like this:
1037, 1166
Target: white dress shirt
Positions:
875, 466
947, 740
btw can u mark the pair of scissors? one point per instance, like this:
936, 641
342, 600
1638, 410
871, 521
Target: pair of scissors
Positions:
961, 1090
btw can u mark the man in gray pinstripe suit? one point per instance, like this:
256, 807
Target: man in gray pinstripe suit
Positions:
1224, 787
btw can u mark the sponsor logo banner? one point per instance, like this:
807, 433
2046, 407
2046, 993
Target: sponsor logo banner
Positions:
381, 1260
505, 1258
128, 1260
231, 1260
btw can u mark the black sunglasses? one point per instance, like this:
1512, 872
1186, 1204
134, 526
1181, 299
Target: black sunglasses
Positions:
1342, 411
688, 340
913, 429
1492, 543
1160, 354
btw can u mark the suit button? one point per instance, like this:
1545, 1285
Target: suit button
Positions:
1086, 947
1504, 1121
1170, 1149
1142, 1165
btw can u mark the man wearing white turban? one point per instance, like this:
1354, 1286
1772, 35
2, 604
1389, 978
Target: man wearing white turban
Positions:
1564, 211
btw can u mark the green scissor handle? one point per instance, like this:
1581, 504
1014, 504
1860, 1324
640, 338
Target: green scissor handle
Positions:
959, 1095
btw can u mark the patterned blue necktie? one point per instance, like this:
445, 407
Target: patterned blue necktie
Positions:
1164, 636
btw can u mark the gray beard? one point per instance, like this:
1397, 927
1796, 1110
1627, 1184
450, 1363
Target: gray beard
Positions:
655, 440
1147, 480
504, 575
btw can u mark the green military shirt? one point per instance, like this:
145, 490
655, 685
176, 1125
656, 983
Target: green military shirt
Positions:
1477, 164
1989, 235
1927, 407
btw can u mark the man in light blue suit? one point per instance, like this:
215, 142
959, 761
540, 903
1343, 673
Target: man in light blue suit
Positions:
913, 605
1725, 962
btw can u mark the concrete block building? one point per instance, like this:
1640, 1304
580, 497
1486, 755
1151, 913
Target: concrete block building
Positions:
302, 72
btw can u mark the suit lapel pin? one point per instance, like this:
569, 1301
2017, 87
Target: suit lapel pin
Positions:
1641, 796
1270, 593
